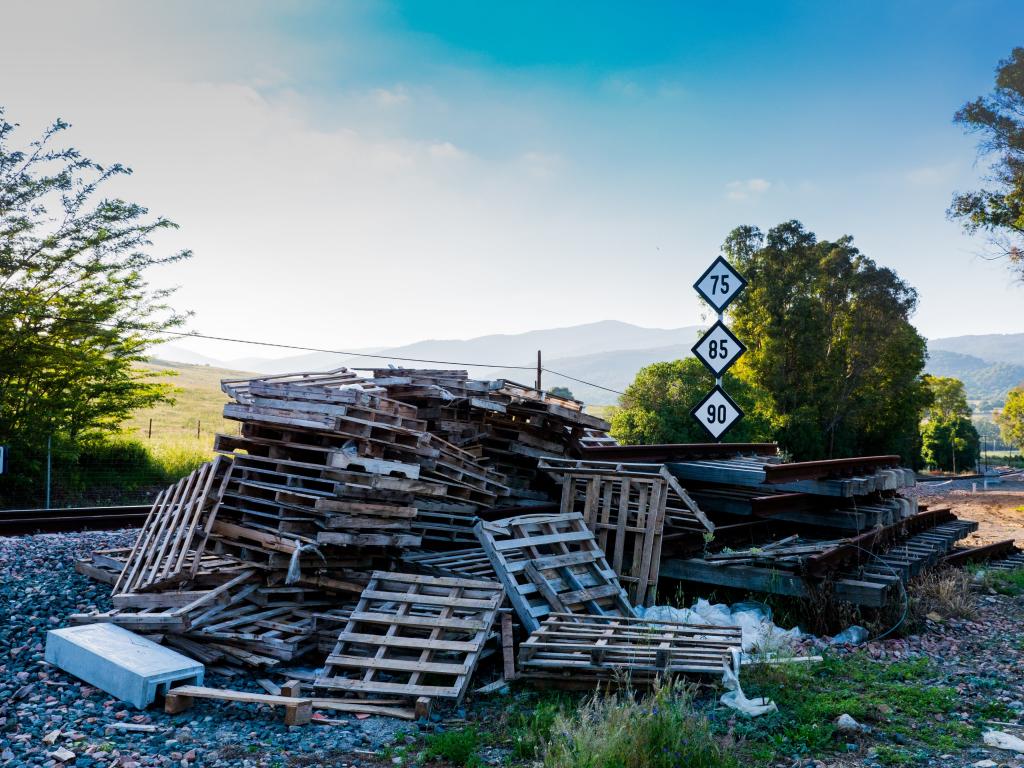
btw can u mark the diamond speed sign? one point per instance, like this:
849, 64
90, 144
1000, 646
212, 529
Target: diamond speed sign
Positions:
717, 412
720, 284
718, 349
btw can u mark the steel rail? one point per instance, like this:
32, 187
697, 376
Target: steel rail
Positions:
828, 468
19, 522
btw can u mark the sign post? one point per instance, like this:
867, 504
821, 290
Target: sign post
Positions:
4, 450
719, 348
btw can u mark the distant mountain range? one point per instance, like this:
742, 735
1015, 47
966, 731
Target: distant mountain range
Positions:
989, 365
609, 353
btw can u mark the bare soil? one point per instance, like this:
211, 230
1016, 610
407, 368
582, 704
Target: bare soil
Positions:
998, 511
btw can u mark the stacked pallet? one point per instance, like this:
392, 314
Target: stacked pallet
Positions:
508, 425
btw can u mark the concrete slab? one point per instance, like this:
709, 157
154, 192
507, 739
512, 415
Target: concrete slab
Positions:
133, 668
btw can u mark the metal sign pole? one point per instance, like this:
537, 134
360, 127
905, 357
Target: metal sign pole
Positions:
718, 348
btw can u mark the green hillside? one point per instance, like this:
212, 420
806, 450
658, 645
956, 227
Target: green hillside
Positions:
986, 382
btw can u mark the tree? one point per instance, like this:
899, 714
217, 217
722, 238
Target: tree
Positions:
76, 313
949, 439
949, 444
830, 344
1011, 419
561, 392
998, 210
948, 396
656, 406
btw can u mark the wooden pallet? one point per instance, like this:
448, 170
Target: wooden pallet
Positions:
682, 513
471, 562
552, 563
571, 649
173, 538
414, 636
171, 611
627, 515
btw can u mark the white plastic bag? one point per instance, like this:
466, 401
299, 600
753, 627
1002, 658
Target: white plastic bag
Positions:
1003, 740
736, 699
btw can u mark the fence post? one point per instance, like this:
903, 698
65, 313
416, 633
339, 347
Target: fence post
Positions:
49, 467
198, 425
150, 435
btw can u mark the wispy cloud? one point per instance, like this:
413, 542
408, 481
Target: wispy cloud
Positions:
747, 188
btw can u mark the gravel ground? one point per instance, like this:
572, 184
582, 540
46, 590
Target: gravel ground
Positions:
983, 659
38, 589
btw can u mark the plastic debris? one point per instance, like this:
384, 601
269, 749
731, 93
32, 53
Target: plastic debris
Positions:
753, 619
1003, 740
734, 698
852, 635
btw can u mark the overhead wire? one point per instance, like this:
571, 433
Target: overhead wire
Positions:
301, 348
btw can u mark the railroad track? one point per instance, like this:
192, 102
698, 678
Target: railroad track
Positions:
19, 522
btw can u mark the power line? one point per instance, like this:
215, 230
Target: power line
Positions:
299, 348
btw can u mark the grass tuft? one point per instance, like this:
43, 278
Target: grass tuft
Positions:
458, 747
944, 591
659, 730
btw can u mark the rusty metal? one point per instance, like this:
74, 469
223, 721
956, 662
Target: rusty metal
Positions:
860, 548
828, 468
994, 551
668, 452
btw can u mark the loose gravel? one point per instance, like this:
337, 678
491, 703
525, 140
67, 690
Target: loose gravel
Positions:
43, 710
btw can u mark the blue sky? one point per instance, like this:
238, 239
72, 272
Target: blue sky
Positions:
355, 174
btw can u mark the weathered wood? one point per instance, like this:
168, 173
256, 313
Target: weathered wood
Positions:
407, 629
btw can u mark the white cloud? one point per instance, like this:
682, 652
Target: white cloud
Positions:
391, 97
743, 190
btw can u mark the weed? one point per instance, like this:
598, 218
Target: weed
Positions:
945, 591
458, 747
896, 698
896, 756
659, 730
1009, 582
529, 731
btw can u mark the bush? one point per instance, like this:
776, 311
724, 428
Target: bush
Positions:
660, 730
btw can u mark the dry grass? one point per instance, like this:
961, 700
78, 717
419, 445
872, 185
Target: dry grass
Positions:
944, 592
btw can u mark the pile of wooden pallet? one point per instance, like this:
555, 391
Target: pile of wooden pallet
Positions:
398, 529
375, 524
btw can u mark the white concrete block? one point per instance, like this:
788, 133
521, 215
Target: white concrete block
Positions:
116, 660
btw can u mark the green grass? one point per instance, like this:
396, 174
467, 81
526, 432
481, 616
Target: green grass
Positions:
188, 425
662, 729
898, 698
458, 747
1005, 582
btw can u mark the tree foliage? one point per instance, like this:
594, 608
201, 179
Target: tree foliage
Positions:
998, 210
1011, 419
656, 406
950, 443
830, 344
949, 439
948, 398
561, 392
76, 312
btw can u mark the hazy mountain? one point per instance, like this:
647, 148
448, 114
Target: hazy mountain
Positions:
615, 369
610, 353
491, 353
984, 381
990, 347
